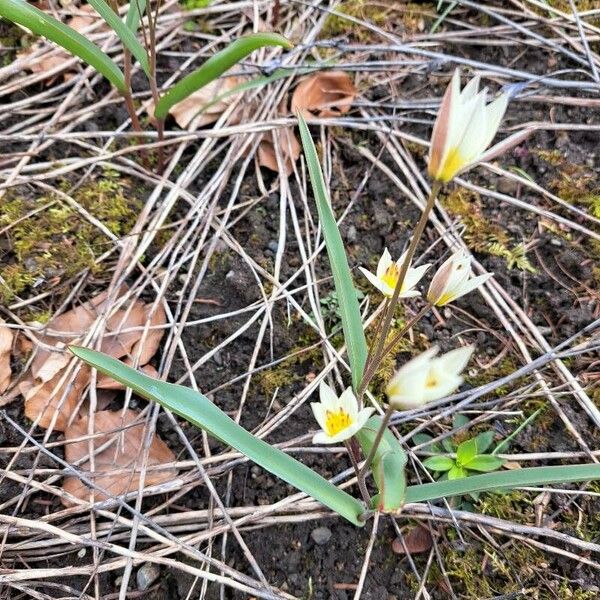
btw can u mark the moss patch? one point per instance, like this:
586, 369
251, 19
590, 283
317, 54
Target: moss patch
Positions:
46, 248
481, 234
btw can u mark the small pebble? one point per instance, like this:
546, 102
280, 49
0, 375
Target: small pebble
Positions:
273, 246
321, 535
147, 574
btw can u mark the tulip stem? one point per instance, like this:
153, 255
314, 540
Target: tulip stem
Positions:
379, 342
384, 423
360, 480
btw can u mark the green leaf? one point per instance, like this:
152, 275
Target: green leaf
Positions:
448, 444
215, 66
42, 24
125, 34
484, 463
134, 14
388, 466
502, 479
484, 441
456, 472
200, 411
354, 334
466, 451
438, 463
459, 421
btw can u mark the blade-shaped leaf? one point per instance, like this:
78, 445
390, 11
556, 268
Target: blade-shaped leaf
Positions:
18, 11
502, 479
200, 411
215, 66
125, 34
388, 466
354, 334
134, 14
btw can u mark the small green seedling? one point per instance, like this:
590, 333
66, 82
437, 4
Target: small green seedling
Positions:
470, 456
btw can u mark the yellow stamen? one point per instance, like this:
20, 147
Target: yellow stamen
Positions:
390, 277
337, 421
452, 165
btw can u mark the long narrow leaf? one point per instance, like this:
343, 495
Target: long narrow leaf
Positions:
388, 466
503, 479
125, 34
215, 66
200, 411
18, 11
354, 334
134, 14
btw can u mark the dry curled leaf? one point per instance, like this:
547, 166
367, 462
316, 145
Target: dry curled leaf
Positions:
288, 146
325, 94
118, 455
416, 539
43, 388
203, 108
6, 341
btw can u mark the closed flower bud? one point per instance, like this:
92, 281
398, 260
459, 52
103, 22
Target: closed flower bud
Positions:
454, 279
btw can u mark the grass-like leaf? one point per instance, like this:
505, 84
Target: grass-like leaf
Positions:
134, 14
215, 66
125, 34
354, 334
388, 466
18, 11
503, 479
199, 410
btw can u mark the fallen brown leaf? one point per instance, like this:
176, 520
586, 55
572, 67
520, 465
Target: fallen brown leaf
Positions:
288, 145
118, 455
326, 94
44, 399
6, 341
417, 539
202, 107
42, 388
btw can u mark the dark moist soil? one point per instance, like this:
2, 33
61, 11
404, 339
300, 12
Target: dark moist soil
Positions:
289, 556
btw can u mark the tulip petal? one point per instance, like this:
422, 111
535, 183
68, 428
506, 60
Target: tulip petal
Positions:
319, 413
384, 262
455, 360
441, 127
328, 397
348, 403
505, 145
383, 287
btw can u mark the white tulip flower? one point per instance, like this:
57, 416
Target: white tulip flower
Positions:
454, 279
388, 271
427, 378
339, 418
464, 128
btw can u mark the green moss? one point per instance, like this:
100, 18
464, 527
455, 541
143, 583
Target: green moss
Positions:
482, 235
573, 183
412, 15
48, 247
511, 506
501, 369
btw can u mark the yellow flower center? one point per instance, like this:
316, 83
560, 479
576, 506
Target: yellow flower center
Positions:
445, 298
431, 381
337, 421
390, 277
451, 166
